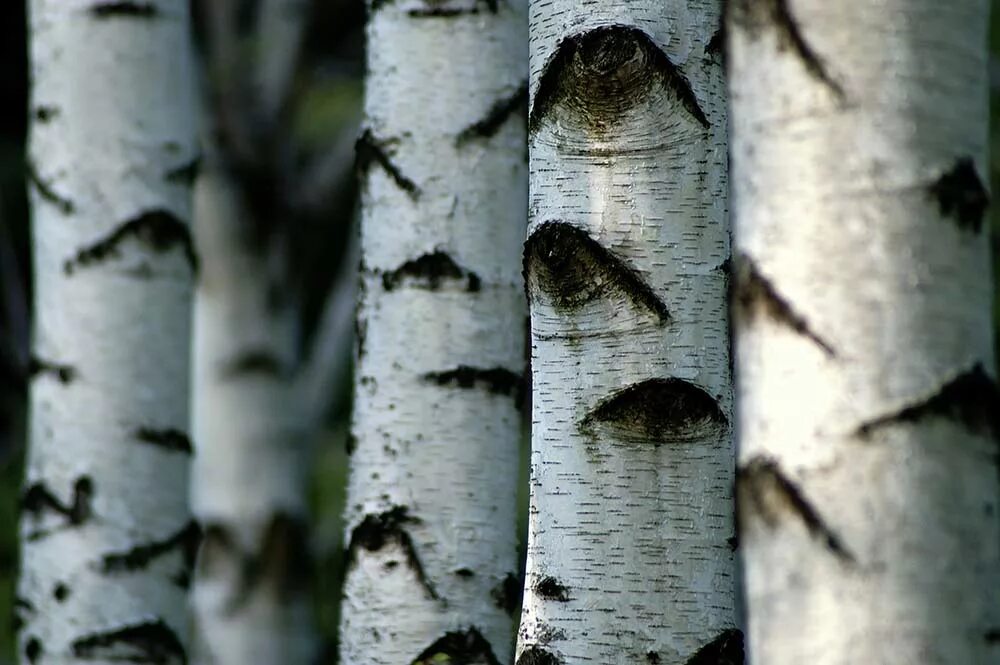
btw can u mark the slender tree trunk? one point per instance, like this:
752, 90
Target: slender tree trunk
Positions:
868, 482
630, 553
107, 537
431, 499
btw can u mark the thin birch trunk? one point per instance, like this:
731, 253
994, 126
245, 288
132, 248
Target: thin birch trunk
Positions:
630, 544
868, 464
107, 537
431, 499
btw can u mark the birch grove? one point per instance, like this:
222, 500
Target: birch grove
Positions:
107, 538
630, 543
868, 478
431, 561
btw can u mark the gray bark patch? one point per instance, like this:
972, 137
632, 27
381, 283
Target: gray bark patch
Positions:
47, 191
600, 74
961, 195
369, 150
431, 272
185, 541
659, 411
726, 649
496, 117
459, 647
157, 229
124, 10
388, 528
764, 491
65, 374
151, 642
537, 656
496, 380
572, 269
168, 439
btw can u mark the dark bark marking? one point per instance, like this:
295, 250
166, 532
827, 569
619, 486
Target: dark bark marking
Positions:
602, 73
185, 174
157, 228
756, 16
261, 361
465, 573
124, 9
151, 642
33, 649
755, 293
762, 485
507, 594
971, 399
458, 647
21, 607
44, 114
388, 528
37, 499
653, 658
496, 117
60, 592
550, 588
439, 9
496, 380
139, 557
961, 195
537, 656
46, 191
429, 272
351, 444
992, 636
660, 411
38, 367
572, 269
733, 542
170, 439
717, 44
369, 150
726, 649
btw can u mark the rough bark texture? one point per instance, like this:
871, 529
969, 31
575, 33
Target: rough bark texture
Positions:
107, 537
431, 500
631, 518
868, 404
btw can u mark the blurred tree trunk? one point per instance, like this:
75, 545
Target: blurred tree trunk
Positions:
431, 498
107, 537
868, 405
630, 553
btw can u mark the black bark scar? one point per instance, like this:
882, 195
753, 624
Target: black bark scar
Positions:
139, 557
572, 269
726, 649
157, 228
37, 499
430, 271
537, 656
44, 114
496, 380
46, 191
261, 361
124, 9
754, 293
495, 118
438, 9
185, 174
756, 16
388, 528
761, 485
550, 588
717, 44
38, 367
33, 649
660, 411
459, 647
972, 399
961, 195
507, 594
170, 439
368, 150
604, 72
146, 642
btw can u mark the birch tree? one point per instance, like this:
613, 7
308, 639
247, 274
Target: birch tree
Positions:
630, 543
431, 499
868, 465
107, 537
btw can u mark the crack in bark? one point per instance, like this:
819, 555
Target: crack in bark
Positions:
537, 656
147, 642
139, 557
507, 594
38, 367
660, 411
496, 380
725, 649
755, 293
429, 271
496, 117
762, 485
37, 498
379, 530
972, 399
572, 268
169, 439
458, 647
550, 588
603, 73
369, 150
261, 361
46, 191
754, 16
185, 174
124, 9
961, 195
157, 228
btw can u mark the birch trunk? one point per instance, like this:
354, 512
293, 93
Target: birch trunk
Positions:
868, 482
107, 537
630, 553
431, 499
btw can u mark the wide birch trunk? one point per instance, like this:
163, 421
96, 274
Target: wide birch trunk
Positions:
431, 501
630, 544
868, 484
108, 540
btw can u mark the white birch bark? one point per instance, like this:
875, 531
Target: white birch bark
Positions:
431, 497
107, 536
630, 555
868, 406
